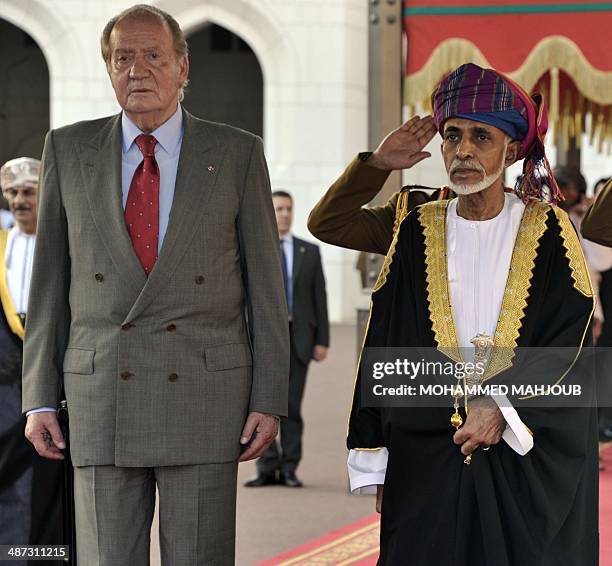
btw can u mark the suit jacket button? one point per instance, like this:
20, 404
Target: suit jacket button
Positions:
99, 277
125, 375
173, 377
199, 279
171, 327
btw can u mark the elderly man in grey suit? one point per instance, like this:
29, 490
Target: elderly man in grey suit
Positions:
157, 303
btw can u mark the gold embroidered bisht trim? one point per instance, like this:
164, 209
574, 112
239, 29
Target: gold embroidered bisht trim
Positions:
574, 254
10, 312
533, 224
580, 275
432, 217
401, 212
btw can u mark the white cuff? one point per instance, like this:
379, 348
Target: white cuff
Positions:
41, 410
516, 435
366, 469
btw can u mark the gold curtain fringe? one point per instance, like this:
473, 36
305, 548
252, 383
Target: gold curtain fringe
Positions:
558, 52
553, 52
446, 57
555, 94
551, 55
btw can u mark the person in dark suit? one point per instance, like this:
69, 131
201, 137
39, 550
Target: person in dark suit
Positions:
309, 336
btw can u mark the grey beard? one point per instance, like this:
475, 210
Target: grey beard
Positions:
480, 185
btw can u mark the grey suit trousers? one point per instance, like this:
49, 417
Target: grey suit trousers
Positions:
197, 514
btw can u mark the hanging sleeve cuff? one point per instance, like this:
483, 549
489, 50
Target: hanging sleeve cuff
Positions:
516, 435
366, 469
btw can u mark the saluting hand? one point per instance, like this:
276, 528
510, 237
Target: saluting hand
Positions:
484, 426
403, 148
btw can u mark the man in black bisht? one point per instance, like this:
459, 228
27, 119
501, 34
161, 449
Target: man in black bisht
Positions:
497, 262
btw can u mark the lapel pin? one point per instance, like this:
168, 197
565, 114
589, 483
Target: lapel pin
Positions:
211, 168
302, 250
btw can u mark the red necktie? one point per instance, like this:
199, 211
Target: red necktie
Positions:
142, 207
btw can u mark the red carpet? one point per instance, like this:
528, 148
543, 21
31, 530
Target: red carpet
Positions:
357, 544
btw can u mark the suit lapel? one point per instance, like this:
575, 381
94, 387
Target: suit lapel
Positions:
299, 251
195, 180
101, 170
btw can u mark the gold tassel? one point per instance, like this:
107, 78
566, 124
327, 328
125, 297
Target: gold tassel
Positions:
554, 99
567, 124
578, 123
592, 124
609, 130
600, 129
545, 94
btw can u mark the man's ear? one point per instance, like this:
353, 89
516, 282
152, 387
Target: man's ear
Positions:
512, 153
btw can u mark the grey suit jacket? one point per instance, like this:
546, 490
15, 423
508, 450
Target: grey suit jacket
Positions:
159, 370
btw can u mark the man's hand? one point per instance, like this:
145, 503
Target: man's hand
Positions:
319, 353
43, 431
484, 426
379, 496
260, 429
597, 329
403, 148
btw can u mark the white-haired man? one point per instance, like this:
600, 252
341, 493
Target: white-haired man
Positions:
476, 479
158, 302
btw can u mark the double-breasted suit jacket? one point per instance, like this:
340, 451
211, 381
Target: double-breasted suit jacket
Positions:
160, 370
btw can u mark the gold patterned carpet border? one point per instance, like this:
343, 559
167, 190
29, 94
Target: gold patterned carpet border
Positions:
355, 544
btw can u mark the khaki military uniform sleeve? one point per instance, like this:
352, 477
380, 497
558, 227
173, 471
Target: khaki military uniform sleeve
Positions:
597, 223
340, 219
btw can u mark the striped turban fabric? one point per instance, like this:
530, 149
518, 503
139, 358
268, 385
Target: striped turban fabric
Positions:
486, 96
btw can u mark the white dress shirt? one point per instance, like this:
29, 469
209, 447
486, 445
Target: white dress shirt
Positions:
478, 262
169, 138
18, 260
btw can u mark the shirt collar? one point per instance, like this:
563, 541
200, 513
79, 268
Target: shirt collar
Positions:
168, 135
288, 237
452, 211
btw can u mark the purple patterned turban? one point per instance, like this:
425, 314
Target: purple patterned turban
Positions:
487, 96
